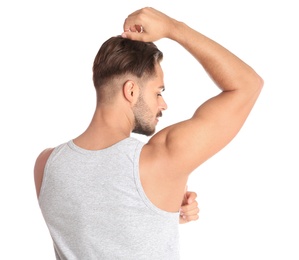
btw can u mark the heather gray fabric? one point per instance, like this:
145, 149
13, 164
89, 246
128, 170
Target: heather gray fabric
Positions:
95, 208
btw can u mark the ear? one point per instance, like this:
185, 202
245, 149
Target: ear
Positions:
130, 91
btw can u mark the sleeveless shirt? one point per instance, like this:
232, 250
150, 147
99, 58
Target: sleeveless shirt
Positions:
95, 207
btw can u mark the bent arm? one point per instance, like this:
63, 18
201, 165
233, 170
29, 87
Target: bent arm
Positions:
216, 122
174, 152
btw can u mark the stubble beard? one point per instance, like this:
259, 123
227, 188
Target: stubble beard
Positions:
143, 117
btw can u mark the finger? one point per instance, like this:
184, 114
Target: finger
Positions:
186, 219
138, 34
135, 28
130, 23
191, 197
190, 218
191, 212
134, 35
189, 207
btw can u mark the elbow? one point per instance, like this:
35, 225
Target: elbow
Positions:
256, 84
253, 87
259, 83
256, 87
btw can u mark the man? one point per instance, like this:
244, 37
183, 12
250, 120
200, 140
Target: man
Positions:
106, 195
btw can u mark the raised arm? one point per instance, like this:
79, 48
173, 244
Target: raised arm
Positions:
180, 148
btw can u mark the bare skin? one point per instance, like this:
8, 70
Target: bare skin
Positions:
213, 125
173, 153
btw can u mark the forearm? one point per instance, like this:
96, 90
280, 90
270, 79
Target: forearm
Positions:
226, 70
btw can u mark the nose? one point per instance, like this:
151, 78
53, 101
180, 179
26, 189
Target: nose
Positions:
162, 104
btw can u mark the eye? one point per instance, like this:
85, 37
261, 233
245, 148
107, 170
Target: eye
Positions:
160, 90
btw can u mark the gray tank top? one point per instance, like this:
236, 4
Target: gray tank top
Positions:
95, 208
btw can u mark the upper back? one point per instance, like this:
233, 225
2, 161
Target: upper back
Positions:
95, 206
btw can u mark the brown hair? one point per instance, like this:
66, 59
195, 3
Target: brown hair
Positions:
120, 56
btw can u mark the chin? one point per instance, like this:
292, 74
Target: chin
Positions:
147, 132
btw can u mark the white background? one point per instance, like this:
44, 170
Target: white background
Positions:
248, 193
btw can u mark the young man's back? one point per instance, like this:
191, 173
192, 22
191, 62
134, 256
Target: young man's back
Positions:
129, 83
95, 206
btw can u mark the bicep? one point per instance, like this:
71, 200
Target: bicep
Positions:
214, 124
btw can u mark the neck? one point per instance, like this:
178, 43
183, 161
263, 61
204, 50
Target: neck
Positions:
108, 126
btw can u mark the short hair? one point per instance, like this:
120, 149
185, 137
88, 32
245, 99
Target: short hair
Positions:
120, 56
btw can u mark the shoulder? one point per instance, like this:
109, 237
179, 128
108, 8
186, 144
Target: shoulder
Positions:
39, 168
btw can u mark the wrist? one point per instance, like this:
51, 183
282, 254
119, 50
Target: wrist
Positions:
178, 32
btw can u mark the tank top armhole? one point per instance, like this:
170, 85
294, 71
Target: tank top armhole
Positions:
140, 190
45, 175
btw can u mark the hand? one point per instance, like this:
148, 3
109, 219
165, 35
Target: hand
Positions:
189, 209
147, 24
